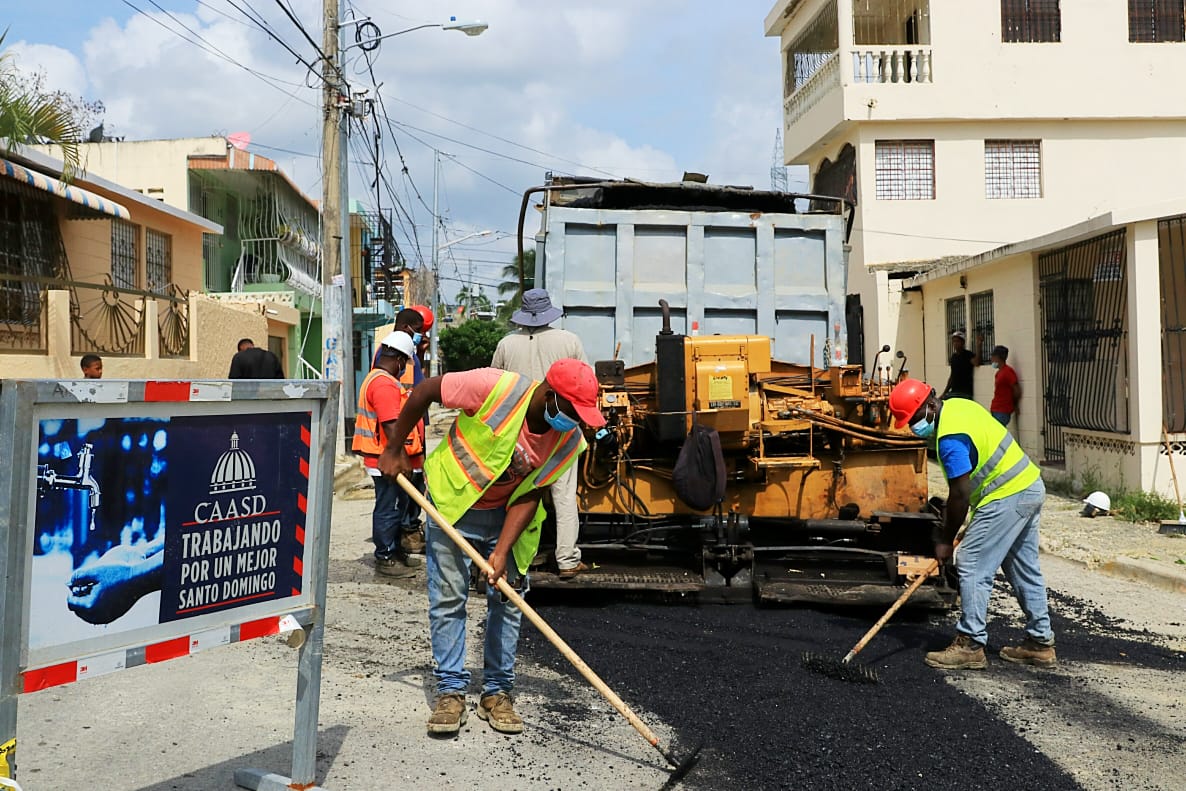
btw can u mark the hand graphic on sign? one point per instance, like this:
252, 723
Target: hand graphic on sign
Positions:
106, 588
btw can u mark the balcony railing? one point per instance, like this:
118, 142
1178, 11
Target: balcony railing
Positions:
825, 78
103, 319
892, 64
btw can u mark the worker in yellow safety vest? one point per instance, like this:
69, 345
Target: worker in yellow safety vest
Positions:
988, 473
512, 438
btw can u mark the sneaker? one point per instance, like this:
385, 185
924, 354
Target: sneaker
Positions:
449, 714
399, 565
498, 709
964, 653
1030, 652
412, 542
569, 573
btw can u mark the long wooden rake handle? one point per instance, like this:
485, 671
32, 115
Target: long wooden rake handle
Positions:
906, 594
505, 589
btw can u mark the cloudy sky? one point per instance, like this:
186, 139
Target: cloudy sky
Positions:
644, 89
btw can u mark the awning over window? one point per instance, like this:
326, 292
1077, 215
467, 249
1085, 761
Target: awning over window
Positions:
67, 191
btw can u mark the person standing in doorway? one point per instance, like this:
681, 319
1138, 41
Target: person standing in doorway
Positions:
959, 383
530, 350
255, 363
1006, 393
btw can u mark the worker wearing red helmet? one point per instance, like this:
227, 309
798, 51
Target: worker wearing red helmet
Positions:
988, 473
414, 375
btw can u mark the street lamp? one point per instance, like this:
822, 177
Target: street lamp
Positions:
434, 366
368, 40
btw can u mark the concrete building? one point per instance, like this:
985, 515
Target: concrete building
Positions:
92, 267
993, 152
269, 253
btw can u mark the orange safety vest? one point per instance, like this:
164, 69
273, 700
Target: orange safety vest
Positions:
407, 380
369, 437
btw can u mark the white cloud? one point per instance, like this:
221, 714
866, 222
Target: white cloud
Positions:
63, 71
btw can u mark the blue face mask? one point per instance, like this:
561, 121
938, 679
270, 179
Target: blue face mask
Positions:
559, 421
416, 338
924, 428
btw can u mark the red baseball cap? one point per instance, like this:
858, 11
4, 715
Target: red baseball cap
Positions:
575, 381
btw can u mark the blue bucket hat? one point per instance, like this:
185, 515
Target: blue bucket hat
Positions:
537, 309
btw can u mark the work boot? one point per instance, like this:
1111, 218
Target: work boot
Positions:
449, 714
412, 541
572, 571
398, 565
964, 653
1030, 652
497, 709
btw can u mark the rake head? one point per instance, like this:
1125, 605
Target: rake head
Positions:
842, 671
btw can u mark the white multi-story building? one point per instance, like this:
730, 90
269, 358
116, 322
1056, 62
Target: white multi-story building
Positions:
965, 130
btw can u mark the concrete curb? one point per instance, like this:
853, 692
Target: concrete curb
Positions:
1151, 572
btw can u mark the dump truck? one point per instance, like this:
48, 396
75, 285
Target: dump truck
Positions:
719, 312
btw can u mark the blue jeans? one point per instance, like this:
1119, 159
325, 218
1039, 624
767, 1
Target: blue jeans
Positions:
391, 505
448, 590
1003, 417
1004, 534
412, 512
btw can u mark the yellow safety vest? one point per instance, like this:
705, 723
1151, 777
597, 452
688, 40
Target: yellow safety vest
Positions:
480, 448
1002, 468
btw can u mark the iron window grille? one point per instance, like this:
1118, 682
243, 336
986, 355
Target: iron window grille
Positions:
1171, 238
982, 337
1031, 21
957, 316
905, 169
158, 260
1012, 168
807, 54
1153, 21
124, 260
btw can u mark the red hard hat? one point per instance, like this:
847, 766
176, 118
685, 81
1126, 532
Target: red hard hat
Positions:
425, 314
905, 399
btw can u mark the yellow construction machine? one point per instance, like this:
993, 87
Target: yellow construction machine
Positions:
822, 502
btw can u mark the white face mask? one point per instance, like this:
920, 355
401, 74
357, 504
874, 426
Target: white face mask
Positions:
996, 365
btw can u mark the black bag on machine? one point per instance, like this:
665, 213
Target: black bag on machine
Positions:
699, 474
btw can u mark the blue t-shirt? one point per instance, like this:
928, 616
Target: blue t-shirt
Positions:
958, 455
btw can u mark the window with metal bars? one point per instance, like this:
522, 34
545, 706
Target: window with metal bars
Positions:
1030, 21
819, 42
982, 337
957, 316
905, 169
125, 263
158, 260
12, 301
1012, 168
1171, 246
1153, 21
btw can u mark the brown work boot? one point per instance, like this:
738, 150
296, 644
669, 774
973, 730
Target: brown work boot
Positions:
413, 542
449, 714
572, 571
1030, 652
497, 709
964, 653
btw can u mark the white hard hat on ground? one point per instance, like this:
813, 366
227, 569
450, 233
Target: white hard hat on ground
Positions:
1096, 503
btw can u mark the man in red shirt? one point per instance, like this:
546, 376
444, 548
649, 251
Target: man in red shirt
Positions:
380, 400
1006, 394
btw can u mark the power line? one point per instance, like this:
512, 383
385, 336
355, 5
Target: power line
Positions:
262, 24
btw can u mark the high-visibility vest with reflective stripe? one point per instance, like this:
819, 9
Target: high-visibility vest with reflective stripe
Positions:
369, 437
1002, 468
408, 379
480, 448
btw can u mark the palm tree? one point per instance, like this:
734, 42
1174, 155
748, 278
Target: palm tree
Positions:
29, 116
516, 272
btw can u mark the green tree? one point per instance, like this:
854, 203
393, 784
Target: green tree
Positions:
30, 115
509, 289
470, 345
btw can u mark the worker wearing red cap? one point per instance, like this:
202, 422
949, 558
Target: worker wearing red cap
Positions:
988, 472
512, 438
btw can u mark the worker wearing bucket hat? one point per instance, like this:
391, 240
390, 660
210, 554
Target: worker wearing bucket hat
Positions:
530, 350
988, 473
511, 438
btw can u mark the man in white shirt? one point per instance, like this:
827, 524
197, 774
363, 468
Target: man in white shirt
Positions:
530, 350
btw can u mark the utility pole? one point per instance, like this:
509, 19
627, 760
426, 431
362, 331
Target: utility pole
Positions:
434, 364
336, 311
